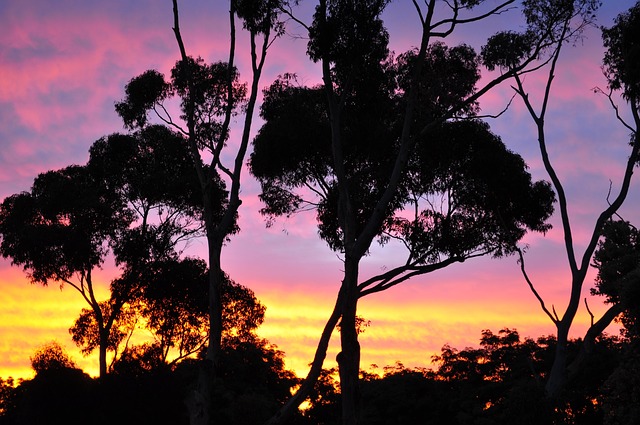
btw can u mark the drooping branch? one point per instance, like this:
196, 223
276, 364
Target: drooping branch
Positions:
554, 317
615, 107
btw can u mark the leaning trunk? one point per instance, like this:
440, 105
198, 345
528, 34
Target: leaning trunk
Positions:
307, 386
588, 342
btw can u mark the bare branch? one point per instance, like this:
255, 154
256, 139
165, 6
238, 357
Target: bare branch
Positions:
533, 289
615, 107
586, 304
289, 12
499, 114
453, 22
400, 274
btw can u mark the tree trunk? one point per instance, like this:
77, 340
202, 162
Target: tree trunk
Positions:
102, 352
588, 342
200, 400
215, 302
349, 357
287, 410
558, 374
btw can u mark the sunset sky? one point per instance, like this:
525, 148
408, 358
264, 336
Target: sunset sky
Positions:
63, 64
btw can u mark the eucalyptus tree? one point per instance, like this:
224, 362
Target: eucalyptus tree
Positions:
210, 95
73, 219
563, 22
394, 149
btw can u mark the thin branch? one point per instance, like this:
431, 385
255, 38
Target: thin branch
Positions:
533, 289
315, 190
553, 307
499, 114
289, 12
399, 274
453, 22
615, 107
419, 11
586, 304
168, 120
400, 239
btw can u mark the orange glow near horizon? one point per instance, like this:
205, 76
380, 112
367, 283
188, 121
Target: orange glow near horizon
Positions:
409, 323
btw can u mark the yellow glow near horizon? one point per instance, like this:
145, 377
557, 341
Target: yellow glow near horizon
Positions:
404, 327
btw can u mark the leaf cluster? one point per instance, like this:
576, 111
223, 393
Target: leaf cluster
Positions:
489, 197
206, 93
617, 260
51, 357
622, 56
72, 218
63, 225
448, 76
260, 16
349, 34
549, 22
86, 330
477, 194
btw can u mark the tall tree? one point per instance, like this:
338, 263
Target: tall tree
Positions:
59, 232
210, 95
368, 150
73, 219
563, 22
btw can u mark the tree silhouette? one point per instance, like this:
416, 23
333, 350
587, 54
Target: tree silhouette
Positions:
617, 260
560, 23
368, 151
172, 303
51, 357
57, 232
210, 95
74, 218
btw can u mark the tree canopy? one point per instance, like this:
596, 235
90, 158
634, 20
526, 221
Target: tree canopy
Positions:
73, 219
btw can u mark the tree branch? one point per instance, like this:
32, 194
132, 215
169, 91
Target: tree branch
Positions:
533, 289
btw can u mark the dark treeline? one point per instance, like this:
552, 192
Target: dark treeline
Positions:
500, 382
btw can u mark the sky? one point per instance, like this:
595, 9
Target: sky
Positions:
63, 65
